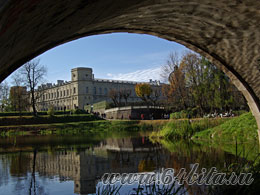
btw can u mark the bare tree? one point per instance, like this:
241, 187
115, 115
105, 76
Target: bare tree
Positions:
120, 97
155, 95
173, 73
172, 61
113, 94
33, 74
124, 93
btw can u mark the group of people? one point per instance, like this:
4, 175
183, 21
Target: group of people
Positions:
102, 115
221, 115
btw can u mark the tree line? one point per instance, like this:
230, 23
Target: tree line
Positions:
195, 83
191, 83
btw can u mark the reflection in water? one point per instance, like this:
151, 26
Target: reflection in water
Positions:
51, 171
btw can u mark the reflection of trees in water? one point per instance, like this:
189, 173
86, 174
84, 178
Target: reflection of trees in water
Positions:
33, 181
182, 153
20, 164
20, 168
113, 155
4, 169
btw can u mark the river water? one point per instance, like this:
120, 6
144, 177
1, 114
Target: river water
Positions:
61, 165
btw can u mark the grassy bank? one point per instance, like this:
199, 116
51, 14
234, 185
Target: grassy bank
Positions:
31, 120
25, 113
186, 128
242, 129
82, 127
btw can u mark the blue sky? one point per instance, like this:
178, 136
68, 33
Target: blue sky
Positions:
121, 56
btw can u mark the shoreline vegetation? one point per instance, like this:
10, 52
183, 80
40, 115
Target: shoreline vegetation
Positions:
186, 128
242, 128
214, 130
239, 129
45, 119
75, 124
237, 135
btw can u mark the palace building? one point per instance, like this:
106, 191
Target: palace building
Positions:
84, 89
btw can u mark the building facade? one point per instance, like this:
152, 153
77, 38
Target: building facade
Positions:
84, 89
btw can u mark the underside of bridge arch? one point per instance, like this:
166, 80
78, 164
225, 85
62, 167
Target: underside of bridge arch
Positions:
227, 32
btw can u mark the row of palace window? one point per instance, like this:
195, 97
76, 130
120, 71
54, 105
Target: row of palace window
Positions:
60, 108
58, 94
68, 92
95, 90
100, 91
58, 101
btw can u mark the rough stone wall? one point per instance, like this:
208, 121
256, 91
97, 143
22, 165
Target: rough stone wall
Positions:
225, 31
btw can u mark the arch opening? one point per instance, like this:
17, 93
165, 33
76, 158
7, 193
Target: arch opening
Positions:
211, 29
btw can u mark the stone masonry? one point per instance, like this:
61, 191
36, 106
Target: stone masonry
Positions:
227, 32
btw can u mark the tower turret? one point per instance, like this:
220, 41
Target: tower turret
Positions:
81, 74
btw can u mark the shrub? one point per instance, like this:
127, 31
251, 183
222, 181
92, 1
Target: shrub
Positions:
239, 112
51, 111
79, 111
2, 114
175, 115
179, 115
184, 114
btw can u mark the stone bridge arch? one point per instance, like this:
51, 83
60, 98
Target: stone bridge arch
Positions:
227, 32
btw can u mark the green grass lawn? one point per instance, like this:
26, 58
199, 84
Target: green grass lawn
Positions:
185, 128
242, 128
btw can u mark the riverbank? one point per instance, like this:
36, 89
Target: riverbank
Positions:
237, 135
44, 119
185, 128
235, 129
82, 127
241, 129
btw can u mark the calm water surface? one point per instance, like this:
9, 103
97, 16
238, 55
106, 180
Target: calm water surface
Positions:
74, 164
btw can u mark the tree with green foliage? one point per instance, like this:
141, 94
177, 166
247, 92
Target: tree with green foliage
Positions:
51, 111
196, 83
210, 87
195, 80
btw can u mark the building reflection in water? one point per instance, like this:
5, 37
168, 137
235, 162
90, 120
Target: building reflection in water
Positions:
86, 166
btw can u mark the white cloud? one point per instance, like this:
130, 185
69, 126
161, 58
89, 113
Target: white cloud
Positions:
139, 75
